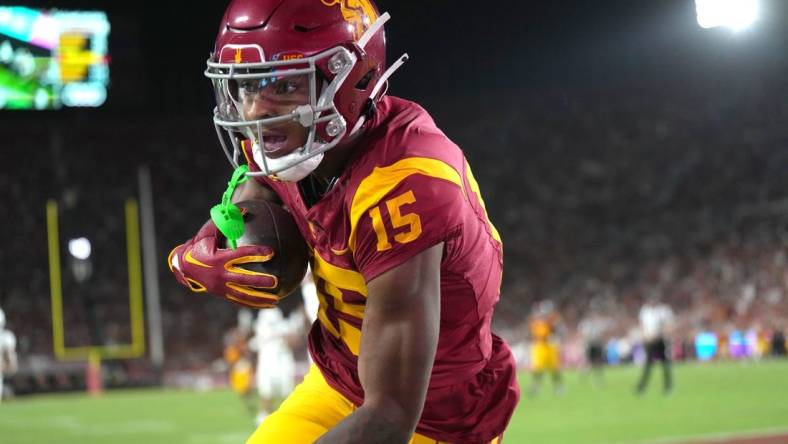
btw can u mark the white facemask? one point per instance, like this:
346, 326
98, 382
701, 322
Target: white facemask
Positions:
292, 174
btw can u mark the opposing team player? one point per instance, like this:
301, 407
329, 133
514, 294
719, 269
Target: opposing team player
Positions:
8, 361
273, 341
406, 263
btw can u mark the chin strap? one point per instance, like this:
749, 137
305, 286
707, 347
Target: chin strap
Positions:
381, 20
362, 42
373, 97
385, 77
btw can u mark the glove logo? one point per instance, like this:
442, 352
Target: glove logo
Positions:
203, 266
188, 258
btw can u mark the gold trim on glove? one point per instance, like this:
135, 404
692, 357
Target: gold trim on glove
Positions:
231, 265
188, 258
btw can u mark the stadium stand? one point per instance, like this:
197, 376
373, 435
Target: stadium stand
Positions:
610, 192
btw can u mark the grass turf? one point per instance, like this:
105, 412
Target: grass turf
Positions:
709, 399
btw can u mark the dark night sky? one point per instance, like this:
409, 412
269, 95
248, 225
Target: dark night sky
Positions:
158, 49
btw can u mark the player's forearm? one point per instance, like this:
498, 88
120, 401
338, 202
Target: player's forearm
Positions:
370, 426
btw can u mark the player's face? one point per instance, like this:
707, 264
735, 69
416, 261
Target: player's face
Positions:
272, 97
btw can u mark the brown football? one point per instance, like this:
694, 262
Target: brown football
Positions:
266, 223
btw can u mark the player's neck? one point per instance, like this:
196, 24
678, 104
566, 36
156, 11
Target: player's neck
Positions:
325, 176
332, 167
336, 160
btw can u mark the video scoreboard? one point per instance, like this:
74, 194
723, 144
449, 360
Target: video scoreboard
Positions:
51, 59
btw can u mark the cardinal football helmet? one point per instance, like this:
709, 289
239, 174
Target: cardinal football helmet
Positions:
337, 47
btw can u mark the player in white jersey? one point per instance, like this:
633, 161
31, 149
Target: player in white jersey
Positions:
273, 341
8, 362
656, 321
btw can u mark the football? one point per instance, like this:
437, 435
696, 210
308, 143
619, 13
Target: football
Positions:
266, 223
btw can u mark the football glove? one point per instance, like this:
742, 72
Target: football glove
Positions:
202, 266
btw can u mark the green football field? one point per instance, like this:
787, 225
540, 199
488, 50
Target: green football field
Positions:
712, 399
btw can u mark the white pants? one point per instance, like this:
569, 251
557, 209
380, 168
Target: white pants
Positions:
275, 372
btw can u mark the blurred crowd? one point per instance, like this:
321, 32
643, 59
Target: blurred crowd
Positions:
90, 170
609, 194
621, 194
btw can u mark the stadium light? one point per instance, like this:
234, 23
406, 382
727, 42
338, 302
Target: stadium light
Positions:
734, 14
79, 248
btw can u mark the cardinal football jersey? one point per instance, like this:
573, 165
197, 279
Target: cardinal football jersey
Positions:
407, 188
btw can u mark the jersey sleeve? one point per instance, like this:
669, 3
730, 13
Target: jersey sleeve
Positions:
402, 210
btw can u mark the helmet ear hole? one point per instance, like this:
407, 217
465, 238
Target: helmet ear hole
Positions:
364, 82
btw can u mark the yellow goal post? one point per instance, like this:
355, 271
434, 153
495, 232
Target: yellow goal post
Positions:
136, 348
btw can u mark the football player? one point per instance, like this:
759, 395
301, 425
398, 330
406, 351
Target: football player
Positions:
8, 361
406, 263
545, 351
238, 359
276, 365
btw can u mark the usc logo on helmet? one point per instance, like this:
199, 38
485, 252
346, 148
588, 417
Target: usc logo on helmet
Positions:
359, 13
